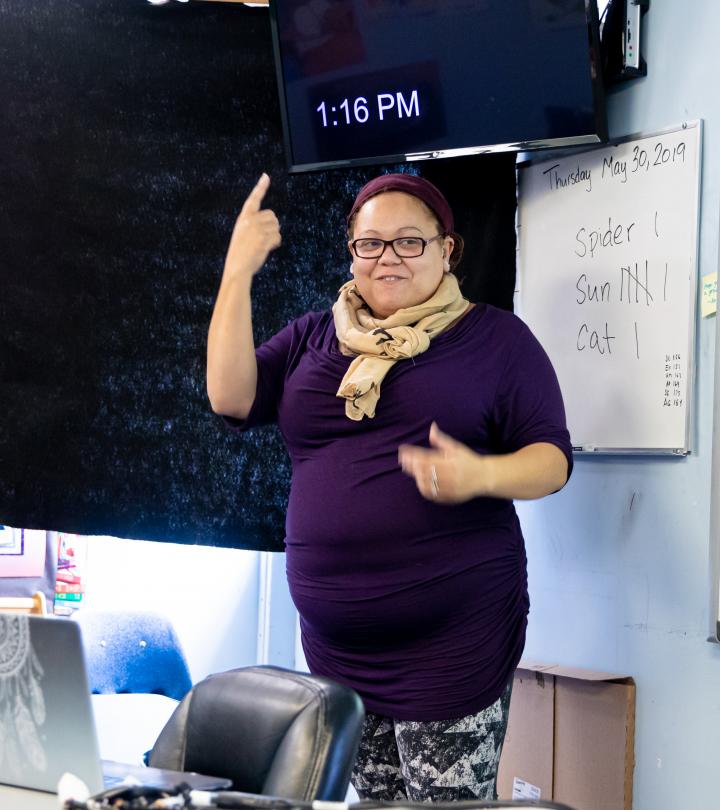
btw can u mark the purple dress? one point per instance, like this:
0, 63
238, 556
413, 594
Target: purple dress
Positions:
421, 607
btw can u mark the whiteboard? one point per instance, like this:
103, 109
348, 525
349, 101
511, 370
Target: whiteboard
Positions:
607, 275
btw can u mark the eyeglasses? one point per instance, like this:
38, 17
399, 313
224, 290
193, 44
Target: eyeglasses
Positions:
405, 247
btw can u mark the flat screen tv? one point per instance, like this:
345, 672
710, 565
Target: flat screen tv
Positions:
382, 81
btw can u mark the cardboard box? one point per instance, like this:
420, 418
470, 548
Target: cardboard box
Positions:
571, 734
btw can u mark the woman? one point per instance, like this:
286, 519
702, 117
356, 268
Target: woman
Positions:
412, 418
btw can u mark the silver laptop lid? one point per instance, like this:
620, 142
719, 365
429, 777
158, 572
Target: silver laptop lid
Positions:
46, 721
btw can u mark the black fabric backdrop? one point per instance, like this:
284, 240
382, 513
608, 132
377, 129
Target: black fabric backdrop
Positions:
129, 136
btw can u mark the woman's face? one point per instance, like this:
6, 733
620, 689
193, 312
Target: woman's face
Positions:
389, 283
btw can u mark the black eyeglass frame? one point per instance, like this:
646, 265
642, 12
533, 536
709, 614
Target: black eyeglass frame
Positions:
391, 242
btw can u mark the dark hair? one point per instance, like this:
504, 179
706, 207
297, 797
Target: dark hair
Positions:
457, 251
414, 186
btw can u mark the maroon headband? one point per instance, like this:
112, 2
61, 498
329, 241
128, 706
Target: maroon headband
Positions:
409, 184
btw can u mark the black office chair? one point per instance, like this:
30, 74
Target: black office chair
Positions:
271, 731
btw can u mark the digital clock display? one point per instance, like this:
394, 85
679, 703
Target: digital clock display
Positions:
380, 80
379, 111
361, 110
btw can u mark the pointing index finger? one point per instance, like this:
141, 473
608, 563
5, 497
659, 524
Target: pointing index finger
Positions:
255, 197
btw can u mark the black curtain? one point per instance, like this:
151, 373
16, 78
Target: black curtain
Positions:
129, 136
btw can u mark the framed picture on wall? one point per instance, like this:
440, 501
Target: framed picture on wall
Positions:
22, 552
11, 541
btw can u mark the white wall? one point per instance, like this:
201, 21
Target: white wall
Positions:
619, 559
277, 633
210, 594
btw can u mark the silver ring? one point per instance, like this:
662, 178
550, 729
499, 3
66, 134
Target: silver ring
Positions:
434, 481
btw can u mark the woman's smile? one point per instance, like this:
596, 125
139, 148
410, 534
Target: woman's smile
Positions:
389, 282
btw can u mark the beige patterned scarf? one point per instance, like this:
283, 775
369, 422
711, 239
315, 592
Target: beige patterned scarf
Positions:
378, 343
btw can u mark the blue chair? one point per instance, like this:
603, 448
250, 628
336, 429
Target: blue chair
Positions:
133, 651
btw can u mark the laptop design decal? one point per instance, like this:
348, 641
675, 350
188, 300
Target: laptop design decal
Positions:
22, 704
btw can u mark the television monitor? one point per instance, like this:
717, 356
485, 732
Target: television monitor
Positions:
382, 81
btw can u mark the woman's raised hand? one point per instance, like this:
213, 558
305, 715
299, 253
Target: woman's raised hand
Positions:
256, 233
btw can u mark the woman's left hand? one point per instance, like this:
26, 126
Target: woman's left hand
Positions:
450, 472
447, 472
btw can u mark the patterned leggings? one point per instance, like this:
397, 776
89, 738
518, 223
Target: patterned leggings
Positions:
445, 760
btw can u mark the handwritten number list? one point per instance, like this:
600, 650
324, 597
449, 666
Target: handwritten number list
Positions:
673, 397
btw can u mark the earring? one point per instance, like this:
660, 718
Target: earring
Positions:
446, 266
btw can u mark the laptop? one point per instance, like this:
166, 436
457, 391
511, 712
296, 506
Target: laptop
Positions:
46, 719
